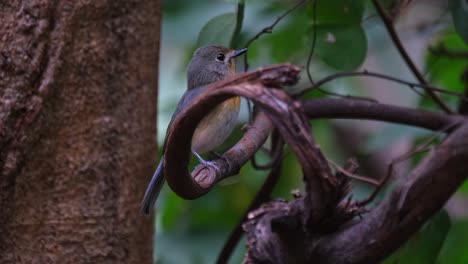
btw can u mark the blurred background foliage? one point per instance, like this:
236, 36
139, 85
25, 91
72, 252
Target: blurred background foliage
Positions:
348, 35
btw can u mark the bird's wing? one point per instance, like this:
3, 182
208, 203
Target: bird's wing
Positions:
186, 99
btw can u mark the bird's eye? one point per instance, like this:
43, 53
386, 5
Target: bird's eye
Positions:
220, 57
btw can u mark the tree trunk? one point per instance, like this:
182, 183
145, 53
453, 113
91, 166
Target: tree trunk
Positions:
78, 92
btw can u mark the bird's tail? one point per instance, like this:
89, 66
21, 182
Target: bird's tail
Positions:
154, 187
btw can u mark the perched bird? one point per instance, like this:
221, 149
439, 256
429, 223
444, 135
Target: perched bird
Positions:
209, 64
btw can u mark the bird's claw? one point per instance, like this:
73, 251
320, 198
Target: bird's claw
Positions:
210, 164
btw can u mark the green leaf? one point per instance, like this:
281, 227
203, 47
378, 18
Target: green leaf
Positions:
454, 249
288, 41
218, 30
459, 9
341, 40
446, 71
338, 11
343, 47
463, 189
425, 245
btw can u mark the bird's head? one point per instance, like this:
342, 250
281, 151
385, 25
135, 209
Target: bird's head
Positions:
210, 64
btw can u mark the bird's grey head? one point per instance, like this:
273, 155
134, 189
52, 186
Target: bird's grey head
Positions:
210, 64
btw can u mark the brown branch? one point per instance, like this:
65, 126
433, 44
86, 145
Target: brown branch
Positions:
402, 213
354, 175
277, 232
396, 40
358, 109
230, 163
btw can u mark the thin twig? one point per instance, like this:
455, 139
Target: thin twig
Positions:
268, 29
396, 40
353, 175
411, 85
314, 40
347, 96
419, 149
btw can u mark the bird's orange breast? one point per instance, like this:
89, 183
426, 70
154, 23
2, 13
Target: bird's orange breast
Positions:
214, 128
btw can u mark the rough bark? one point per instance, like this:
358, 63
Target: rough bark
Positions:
78, 88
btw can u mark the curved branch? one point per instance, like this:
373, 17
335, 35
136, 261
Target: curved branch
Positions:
230, 163
285, 115
177, 145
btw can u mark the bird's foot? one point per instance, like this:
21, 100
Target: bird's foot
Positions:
206, 162
222, 157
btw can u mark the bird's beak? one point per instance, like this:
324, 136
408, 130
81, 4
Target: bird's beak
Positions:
238, 52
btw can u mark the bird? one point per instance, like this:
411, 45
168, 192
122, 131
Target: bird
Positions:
209, 64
